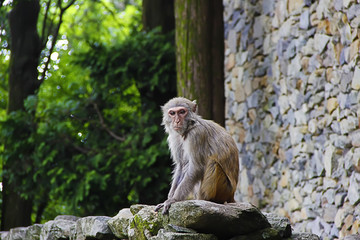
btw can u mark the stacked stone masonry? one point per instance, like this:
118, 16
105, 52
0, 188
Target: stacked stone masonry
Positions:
292, 71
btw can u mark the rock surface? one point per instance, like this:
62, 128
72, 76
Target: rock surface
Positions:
222, 220
193, 219
93, 228
196, 219
119, 224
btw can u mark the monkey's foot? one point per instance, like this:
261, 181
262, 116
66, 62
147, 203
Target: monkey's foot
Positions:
160, 205
165, 205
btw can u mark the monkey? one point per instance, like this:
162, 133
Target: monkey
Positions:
204, 154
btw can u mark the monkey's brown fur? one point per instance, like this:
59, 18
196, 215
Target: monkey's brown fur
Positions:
204, 154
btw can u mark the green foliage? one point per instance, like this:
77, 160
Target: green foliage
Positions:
92, 132
4, 60
101, 22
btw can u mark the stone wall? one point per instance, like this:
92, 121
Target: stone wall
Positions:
293, 106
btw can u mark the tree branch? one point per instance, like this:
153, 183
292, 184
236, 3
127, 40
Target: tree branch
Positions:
43, 37
104, 126
55, 36
67, 6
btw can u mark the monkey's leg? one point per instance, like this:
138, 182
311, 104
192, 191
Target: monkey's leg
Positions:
216, 186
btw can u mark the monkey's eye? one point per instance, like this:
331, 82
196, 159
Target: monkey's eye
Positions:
182, 111
172, 113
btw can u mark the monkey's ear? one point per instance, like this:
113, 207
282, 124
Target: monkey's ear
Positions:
194, 108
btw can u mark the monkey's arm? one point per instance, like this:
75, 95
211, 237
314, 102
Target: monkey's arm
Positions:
186, 185
176, 180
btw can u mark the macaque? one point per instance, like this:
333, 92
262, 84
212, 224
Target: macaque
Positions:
205, 156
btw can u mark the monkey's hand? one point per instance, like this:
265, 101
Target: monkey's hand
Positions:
165, 205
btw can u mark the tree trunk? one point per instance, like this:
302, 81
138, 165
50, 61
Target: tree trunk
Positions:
158, 13
199, 34
25, 53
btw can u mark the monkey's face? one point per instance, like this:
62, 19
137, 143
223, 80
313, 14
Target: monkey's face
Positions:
178, 121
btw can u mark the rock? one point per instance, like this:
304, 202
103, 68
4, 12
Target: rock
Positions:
338, 5
240, 111
4, 234
330, 213
312, 126
354, 193
345, 34
292, 205
348, 124
341, 141
145, 223
58, 229
345, 55
254, 98
355, 227
300, 118
352, 237
258, 27
308, 49
295, 66
322, 10
285, 28
175, 228
232, 40
296, 134
134, 209
329, 183
342, 100
33, 232
16, 233
355, 84
320, 42
29, 233
268, 6
305, 20
66, 218
355, 22
356, 159
348, 221
264, 234
281, 224
304, 236
119, 224
93, 227
239, 92
284, 104
164, 235
225, 221
294, 5
354, 49
346, 3
230, 62
240, 25
332, 104
329, 162
353, 11
339, 200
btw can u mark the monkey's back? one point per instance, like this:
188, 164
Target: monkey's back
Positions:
218, 145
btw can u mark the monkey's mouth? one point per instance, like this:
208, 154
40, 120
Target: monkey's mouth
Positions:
177, 128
